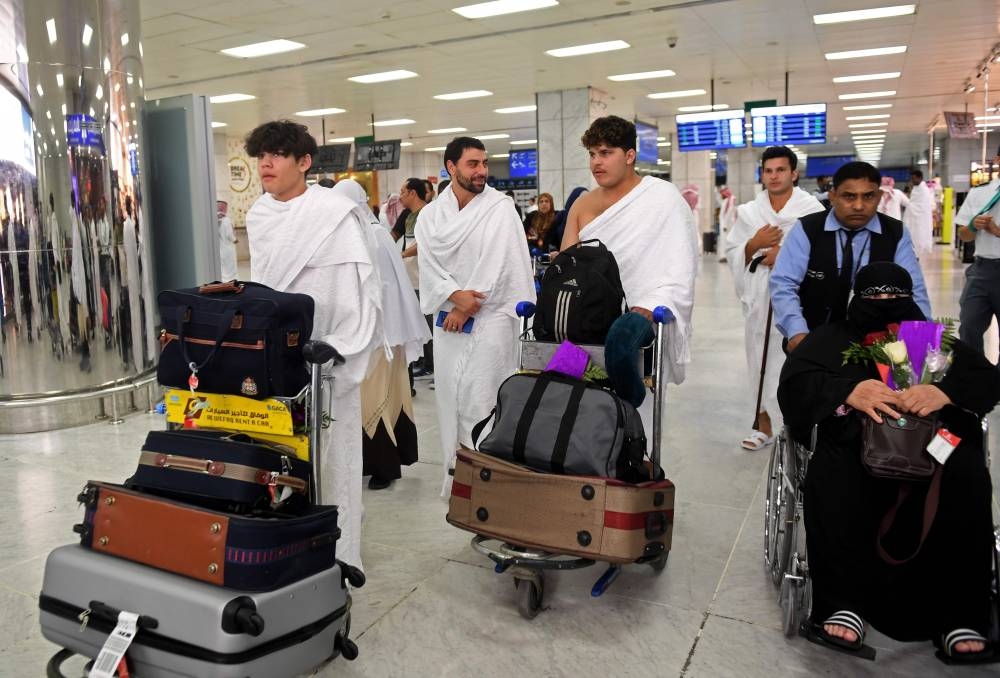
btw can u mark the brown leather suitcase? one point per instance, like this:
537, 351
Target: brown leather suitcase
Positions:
598, 518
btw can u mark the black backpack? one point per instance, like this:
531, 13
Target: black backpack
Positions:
581, 295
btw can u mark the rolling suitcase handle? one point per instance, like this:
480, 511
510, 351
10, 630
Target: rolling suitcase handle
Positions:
317, 354
662, 316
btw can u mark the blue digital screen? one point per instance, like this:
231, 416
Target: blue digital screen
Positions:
783, 125
523, 163
899, 174
646, 149
709, 131
83, 130
825, 165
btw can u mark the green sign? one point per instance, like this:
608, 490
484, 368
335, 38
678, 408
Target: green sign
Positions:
370, 139
763, 103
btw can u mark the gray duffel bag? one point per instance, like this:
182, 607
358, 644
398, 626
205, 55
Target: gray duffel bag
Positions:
557, 424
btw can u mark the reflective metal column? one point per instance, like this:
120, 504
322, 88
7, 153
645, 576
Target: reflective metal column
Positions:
76, 305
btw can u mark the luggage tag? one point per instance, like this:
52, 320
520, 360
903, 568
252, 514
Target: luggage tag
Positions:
193, 379
115, 646
942, 445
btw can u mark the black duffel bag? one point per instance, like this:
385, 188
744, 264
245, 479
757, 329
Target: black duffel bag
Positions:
237, 338
557, 424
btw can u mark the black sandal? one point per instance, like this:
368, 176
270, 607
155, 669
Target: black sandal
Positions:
817, 634
947, 654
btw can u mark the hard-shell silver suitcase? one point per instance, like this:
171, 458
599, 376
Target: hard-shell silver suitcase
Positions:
191, 629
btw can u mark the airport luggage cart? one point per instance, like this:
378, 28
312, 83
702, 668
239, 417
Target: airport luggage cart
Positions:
528, 565
296, 424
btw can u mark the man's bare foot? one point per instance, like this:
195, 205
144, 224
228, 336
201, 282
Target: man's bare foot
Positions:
764, 424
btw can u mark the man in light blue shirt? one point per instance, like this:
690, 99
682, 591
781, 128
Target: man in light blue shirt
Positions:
980, 301
814, 272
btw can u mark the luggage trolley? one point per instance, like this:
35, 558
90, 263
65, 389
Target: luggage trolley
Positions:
785, 555
307, 404
528, 565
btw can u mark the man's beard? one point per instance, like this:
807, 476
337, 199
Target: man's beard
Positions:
467, 183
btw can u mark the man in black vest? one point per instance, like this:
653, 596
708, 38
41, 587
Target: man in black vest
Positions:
813, 276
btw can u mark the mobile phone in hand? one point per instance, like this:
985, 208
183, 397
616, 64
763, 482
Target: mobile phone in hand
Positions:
466, 328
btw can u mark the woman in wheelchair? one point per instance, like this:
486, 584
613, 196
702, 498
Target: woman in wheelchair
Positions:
943, 592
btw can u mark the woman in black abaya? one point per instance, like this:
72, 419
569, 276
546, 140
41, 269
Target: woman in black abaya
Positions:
942, 594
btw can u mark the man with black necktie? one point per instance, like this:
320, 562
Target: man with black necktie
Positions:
813, 275
980, 301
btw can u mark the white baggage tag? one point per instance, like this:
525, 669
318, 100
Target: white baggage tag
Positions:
115, 646
942, 445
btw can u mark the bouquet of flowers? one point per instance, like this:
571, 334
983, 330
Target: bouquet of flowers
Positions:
907, 353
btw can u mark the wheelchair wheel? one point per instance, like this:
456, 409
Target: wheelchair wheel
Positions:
795, 598
778, 512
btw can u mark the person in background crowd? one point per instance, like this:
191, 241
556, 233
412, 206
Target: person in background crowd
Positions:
560, 225
893, 200
227, 242
311, 240
919, 217
474, 269
414, 198
442, 186
727, 219
428, 190
517, 208
539, 226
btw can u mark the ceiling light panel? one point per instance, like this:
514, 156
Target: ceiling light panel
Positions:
230, 98
865, 78
866, 107
861, 53
446, 130
471, 94
384, 76
487, 137
705, 107
393, 123
524, 142
484, 10
259, 49
646, 75
877, 116
592, 48
867, 95
321, 111
864, 14
676, 94
516, 109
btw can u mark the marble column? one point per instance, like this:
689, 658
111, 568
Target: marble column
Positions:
562, 118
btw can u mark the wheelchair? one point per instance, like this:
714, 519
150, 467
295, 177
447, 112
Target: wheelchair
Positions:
785, 557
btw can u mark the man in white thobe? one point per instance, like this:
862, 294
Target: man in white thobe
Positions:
474, 269
893, 200
313, 241
752, 247
227, 242
919, 217
649, 228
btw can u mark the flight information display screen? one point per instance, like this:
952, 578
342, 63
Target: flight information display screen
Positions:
783, 125
708, 131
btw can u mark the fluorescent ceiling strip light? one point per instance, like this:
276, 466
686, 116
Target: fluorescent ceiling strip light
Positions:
124, 39
645, 75
218, 124
661, 138
592, 48
858, 53
663, 144
877, 116
676, 94
341, 140
59, 79
487, 137
864, 14
869, 137
660, 161
524, 142
868, 124
22, 53
434, 149
88, 33
393, 123
866, 107
870, 76
385, 76
50, 26
472, 94
867, 95
259, 49
404, 144
988, 117
484, 10
705, 107
446, 130
516, 109
321, 111
230, 98
500, 155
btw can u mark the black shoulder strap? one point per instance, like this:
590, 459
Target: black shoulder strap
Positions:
566, 428
528, 416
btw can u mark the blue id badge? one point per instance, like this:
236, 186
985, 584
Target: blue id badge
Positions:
466, 328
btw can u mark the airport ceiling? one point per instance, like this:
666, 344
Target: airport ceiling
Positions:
744, 46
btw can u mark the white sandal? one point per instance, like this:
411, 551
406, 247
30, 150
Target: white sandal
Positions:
756, 441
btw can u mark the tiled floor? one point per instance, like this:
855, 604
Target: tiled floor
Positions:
434, 607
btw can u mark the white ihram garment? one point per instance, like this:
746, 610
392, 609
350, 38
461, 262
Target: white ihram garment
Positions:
754, 295
920, 219
893, 206
227, 249
480, 247
316, 244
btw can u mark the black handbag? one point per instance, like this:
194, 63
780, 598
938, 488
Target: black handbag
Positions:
897, 449
237, 338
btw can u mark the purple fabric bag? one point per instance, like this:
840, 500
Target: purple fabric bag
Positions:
919, 335
569, 359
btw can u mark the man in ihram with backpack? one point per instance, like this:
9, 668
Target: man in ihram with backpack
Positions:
647, 226
474, 269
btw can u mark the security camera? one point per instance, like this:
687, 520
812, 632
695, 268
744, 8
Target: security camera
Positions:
672, 41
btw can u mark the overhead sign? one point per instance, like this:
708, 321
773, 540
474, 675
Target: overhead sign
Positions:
332, 158
83, 130
961, 125
763, 103
379, 155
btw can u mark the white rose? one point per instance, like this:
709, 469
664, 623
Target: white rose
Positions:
896, 351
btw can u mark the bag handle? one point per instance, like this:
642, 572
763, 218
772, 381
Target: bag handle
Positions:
220, 334
528, 416
566, 428
930, 511
222, 287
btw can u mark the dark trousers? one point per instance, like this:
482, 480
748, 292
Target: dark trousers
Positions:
943, 588
980, 301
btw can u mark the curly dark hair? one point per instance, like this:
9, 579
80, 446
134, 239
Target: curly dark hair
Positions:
611, 131
281, 137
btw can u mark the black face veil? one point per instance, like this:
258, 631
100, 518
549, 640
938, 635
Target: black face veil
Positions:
866, 313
